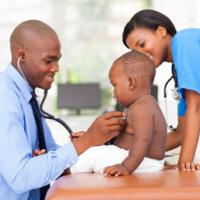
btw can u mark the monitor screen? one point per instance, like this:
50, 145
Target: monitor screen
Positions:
78, 96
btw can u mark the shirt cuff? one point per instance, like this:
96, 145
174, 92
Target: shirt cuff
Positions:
63, 158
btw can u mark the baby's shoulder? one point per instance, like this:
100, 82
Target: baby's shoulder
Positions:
146, 103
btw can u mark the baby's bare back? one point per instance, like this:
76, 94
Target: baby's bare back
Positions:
150, 129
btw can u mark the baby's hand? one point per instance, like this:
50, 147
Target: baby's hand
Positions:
116, 170
37, 152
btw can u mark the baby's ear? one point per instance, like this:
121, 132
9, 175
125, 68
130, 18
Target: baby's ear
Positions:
132, 83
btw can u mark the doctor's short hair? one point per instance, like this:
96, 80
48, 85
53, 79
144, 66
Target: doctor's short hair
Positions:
136, 64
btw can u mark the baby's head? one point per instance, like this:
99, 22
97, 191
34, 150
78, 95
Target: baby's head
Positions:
132, 76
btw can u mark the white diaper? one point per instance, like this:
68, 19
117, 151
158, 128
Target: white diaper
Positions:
95, 159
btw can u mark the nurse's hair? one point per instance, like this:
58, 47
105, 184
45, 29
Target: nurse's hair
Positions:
149, 19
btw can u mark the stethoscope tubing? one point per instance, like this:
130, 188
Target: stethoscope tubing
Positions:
47, 115
174, 77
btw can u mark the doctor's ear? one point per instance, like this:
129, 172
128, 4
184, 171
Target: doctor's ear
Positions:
20, 53
132, 83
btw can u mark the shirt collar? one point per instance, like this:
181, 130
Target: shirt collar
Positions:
20, 82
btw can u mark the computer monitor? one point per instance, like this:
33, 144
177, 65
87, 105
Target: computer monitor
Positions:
79, 96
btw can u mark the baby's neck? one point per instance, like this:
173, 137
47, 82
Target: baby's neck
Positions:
139, 97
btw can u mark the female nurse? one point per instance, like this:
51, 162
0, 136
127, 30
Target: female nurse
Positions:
153, 34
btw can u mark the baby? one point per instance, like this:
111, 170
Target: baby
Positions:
141, 146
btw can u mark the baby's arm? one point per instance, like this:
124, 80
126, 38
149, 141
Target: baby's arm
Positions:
142, 124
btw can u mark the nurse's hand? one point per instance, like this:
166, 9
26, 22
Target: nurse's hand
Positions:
187, 166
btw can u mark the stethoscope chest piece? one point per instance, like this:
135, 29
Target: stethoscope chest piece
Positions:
175, 94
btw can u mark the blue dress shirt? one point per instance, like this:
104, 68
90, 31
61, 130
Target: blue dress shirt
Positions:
21, 174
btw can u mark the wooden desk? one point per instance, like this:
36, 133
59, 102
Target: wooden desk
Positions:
165, 185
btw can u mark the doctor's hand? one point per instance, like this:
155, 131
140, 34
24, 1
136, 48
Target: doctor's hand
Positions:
103, 129
38, 152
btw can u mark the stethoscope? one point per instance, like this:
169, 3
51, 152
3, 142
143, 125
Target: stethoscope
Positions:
175, 94
45, 114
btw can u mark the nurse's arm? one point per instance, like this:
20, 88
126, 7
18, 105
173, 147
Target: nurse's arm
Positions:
191, 129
